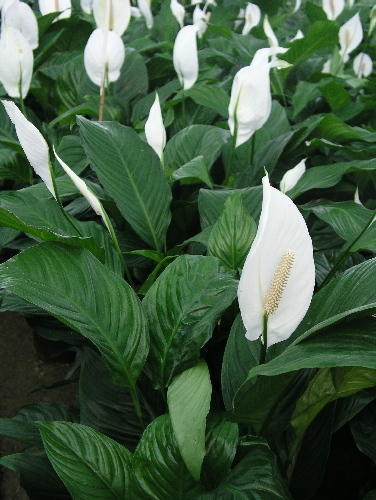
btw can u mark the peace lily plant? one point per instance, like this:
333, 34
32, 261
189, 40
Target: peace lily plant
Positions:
216, 322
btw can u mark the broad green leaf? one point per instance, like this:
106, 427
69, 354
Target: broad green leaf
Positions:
325, 176
142, 107
123, 163
305, 92
188, 399
72, 285
91, 465
322, 35
194, 169
211, 97
133, 80
255, 477
326, 259
158, 468
363, 431
348, 219
182, 307
335, 94
232, 235
193, 141
71, 151
334, 129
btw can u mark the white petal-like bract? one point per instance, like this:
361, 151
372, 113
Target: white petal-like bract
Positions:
33, 144
185, 56
200, 19
112, 15
298, 36
104, 51
63, 6
291, 177
362, 65
298, 3
178, 12
270, 35
144, 8
252, 16
333, 8
154, 129
278, 276
350, 36
87, 6
20, 16
16, 62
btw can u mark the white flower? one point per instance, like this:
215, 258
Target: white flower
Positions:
298, 36
63, 6
178, 11
372, 20
362, 65
350, 36
298, 3
200, 19
326, 66
251, 100
16, 62
196, 2
270, 35
87, 6
154, 129
333, 8
144, 8
20, 16
252, 16
104, 56
356, 196
185, 56
135, 12
112, 15
33, 144
278, 277
291, 177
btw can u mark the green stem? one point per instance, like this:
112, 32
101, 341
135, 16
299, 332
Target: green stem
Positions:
264, 344
136, 403
21, 99
347, 251
280, 86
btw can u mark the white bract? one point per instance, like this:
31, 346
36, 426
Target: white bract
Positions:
104, 56
185, 56
298, 3
372, 20
278, 277
63, 6
298, 36
362, 65
178, 11
87, 6
333, 8
252, 16
33, 143
145, 9
135, 12
251, 99
154, 129
112, 15
16, 62
200, 19
241, 16
291, 177
270, 35
20, 16
350, 36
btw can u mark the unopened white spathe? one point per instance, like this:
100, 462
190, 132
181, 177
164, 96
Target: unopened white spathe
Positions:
278, 277
292, 176
16, 62
145, 9
350, 36
154, 129
33, 144
178, 11
104, 56
298, 3
63, 6
20, 16
112, 14
200, 19
333, 8
185, 56
252, 16
270, 35
362, 65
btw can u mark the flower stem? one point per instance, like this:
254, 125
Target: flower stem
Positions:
102, 95
264, 343
136, 403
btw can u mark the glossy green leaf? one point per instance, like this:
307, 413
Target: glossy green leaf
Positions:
123, 162
211, 97
182, 307
188, 399
232, 235
363, 431
76, 288
91, 465
305, 92
194, 169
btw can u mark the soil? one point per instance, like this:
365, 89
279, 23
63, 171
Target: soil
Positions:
23, 367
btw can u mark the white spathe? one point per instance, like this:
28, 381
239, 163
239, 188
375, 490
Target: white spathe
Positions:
145, 9
281, 231
200, 19
112, 15
350, 36
240, 18
362, 65
185, 57
270, 35
63, 6
299, 35
135, 12
252, 16
291, 177
87, 6
104, 53
178, 12
20, 16
298, 3
154, 129
333, 8
33, 143
16, 62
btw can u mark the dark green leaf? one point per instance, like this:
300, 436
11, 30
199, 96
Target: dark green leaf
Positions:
194, 169
211, 97
363, 431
